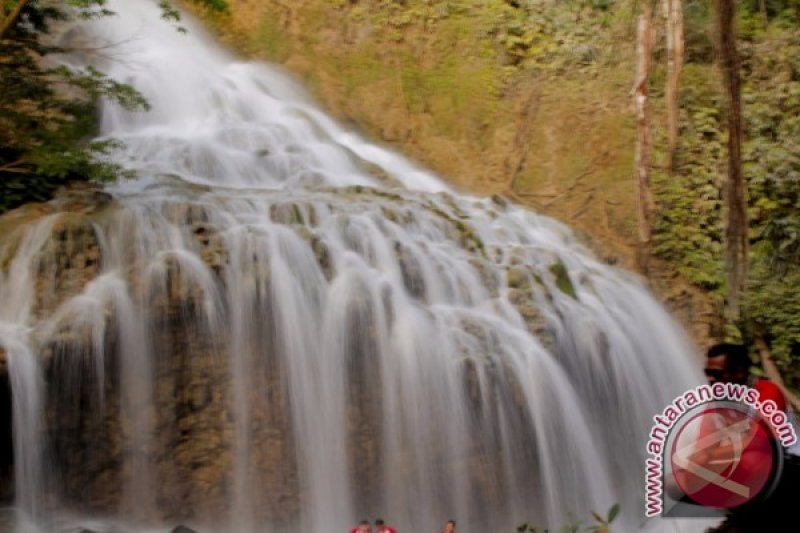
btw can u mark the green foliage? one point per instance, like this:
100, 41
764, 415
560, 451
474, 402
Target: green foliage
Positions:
699, 40
772, 164
48, 114
549, 35
602, 524
689, 229
774, 302
168, 12
214, 5
772, 155
563, 281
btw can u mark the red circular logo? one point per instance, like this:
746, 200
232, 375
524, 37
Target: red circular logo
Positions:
723, 457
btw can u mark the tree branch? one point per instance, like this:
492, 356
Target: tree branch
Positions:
646, 207
12, 18
16, 167
773, 373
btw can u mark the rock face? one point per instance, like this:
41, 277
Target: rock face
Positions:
92, 422
95, 404
245, 361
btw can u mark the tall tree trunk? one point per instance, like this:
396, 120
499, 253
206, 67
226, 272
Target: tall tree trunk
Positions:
673, 12
736, 231
762, 6
644, 42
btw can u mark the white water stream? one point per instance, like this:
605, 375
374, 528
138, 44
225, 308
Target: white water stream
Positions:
418, 351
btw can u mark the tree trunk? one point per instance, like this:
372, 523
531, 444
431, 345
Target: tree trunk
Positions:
736, 231
644, 40
762, 6
673, 12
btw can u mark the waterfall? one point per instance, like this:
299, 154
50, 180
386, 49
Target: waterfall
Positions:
279, 325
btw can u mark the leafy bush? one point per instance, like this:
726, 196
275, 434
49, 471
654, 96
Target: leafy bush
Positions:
214, 5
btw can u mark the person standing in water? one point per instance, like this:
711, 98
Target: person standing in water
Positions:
450, 527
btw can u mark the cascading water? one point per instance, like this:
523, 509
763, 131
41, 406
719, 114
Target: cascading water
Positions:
277, 324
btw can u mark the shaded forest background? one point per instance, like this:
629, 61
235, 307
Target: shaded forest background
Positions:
531, 99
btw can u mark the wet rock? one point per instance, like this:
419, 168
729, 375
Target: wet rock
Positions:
411, 271
81, 197
323, 255
382, 176
536, 323
489, 279
500, 201
469, 239
214, 252
7, 521
390, 215
203, 232
517, 277
68, 261
289, 213
185, 214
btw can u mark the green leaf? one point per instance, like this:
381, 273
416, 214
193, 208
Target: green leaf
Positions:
612, 513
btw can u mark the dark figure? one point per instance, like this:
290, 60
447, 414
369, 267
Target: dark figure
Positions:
730, 363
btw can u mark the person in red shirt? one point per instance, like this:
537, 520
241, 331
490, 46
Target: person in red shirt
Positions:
363, 527
381, 526
727, 363
730, 363
450, 527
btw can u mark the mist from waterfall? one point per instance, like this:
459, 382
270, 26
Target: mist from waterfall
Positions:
287, 326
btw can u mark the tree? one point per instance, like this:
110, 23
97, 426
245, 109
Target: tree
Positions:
641, 89
9, 14
673, 13
46, 131
737, 245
